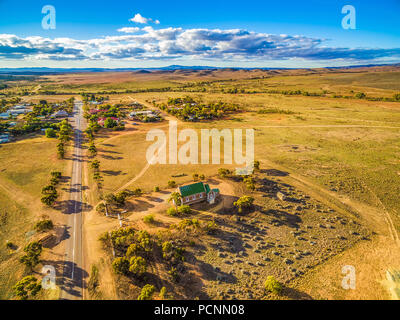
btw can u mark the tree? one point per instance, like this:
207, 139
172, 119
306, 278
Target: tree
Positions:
166, 249
244, 203
32, 253
171, 211
92, 150
147, 292
27, 287
60, 150
95, 164
396, 97
43, 225
184, 209
257, 165
223, 173
195, 176
272, 285
149, 218
175, 198
171, 184
163, 295
110, 123
121, 265
50, 133
50, 189
49, 199
360, 95
56, 174
137, 266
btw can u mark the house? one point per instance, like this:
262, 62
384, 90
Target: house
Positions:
60, 114
19, 109
197, 192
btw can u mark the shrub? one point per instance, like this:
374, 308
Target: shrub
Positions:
256, 165
272, 285
171, 184
156, 189
223, 173
147, 292
244, 203
171, 211
360, 95
184, 209
149, 218
173, 273
32, 253
43, 225
26, 287
121, 265
396, 97
137, 266
211, 226
163, 295
166, 249
56, 174
50, 133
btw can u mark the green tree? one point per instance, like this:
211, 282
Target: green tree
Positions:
147, 292
171, 184
184, 209
257, 165
171, 211
176, 199
360, 95
32, 251
95, 164
120, 265
166, 249
244, 203
50, 133
49, 199
92, 150
163, 295
60, 150
27, 287
137, 265
110, 123
43, 225
149, 219
223, 173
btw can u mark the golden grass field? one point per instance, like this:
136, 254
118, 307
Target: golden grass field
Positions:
342, 152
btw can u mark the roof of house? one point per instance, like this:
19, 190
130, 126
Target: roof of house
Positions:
191, 189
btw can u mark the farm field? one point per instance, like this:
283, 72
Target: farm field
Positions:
333, 154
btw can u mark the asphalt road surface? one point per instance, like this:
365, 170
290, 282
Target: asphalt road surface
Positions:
72, 282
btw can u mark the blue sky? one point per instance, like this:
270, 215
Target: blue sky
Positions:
218, 33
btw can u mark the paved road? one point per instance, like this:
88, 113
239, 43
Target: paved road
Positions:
73, 273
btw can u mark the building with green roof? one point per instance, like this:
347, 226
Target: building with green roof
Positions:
197, 192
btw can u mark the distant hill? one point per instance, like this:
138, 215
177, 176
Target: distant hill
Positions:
44, 70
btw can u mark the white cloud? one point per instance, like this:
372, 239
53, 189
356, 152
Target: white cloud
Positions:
138, 18
178, 43
128, 29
